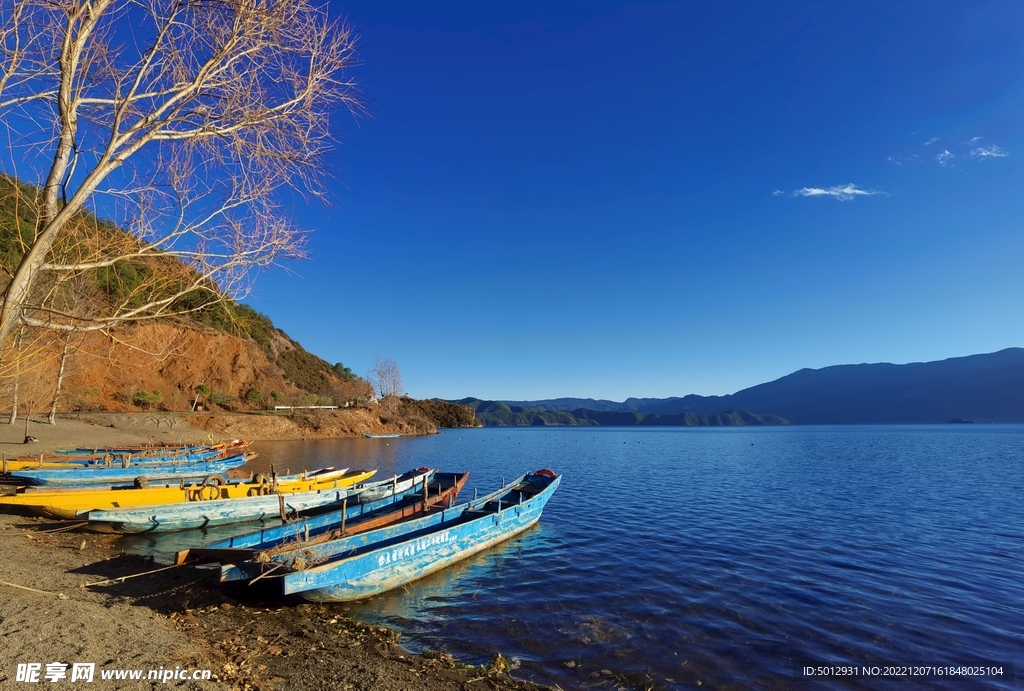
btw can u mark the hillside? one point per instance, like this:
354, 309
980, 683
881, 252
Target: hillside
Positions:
986, 388
216, 354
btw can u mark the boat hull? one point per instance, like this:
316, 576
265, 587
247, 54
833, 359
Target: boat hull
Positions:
326, 540
171, 517
119, 460
72, 503
108, 476
394, 565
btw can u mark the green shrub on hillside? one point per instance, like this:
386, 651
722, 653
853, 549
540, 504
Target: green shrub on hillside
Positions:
345, 373
306, 370
147, 398
221, 398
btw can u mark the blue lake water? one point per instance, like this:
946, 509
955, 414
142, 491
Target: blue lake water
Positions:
730, 557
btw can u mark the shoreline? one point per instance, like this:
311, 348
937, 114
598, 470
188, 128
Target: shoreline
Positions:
249, 639
179, 617
97, 430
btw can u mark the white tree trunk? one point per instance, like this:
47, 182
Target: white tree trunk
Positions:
14, 403
60, 380
227, 102
17, 376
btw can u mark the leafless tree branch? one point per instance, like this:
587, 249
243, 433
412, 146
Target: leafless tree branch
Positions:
182, 135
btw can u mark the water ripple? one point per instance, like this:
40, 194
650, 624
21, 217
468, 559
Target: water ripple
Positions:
726, 556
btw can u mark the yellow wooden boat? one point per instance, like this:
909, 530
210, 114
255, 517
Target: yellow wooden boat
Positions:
68, 503
26, 464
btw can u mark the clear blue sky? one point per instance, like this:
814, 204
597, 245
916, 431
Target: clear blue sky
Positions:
660, 198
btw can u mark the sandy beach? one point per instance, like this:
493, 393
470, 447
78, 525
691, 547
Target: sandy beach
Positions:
63, 601
111, 429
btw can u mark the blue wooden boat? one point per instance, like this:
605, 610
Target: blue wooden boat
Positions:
244, 545
124, 460
204, 514
382, 436
137, 450
99, 475
247, 557
363, 565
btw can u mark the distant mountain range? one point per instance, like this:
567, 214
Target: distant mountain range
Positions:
501, 414
982, 388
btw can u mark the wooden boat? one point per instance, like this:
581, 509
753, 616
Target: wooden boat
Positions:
382, 436
246, 556
23, 463
356, 567
122, 459
139, 448
140, 473
169, 517
394, 489
109, 461
65, 503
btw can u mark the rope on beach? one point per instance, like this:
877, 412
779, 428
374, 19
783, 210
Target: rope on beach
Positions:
60, 596
121, 579
67, 527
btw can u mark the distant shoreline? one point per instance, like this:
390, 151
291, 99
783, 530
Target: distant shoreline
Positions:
98, 430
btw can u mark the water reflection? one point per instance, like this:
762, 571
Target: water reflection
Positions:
429, 598
296, 456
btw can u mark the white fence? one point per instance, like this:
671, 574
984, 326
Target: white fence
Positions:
306, 407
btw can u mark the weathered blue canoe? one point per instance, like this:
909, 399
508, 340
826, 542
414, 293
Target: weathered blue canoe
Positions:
384, 559
242, 546
160, 450
204, 514
125, 460
98, 475
293, 544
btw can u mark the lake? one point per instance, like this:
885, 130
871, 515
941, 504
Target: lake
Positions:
732, 557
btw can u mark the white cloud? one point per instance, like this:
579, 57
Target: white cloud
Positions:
954, 150
843, 193
776, 193
989, 152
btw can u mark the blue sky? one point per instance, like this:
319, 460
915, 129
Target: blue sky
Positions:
657, 198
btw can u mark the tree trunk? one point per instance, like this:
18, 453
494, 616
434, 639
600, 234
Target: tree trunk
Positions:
17, 376
14, 403
51, 215
60, 380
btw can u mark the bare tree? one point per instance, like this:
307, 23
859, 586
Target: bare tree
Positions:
34, 392
181, 130
386, 379
65, 339
17, 376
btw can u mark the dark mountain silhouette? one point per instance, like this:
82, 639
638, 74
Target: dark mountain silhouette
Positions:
983, 388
